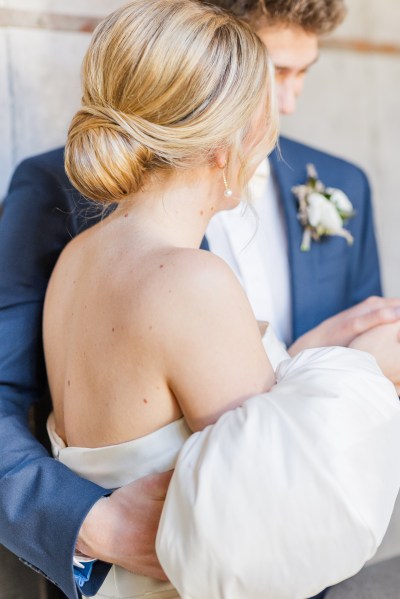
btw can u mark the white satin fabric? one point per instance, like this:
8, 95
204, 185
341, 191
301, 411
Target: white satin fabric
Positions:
280, 498
290, 493
117, 465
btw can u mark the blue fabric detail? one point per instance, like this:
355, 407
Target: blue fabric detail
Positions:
82, 575
92, 586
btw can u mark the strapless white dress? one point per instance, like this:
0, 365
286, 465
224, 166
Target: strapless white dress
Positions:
117, 465
282, 497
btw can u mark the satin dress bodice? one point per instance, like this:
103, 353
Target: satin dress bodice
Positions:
117, 465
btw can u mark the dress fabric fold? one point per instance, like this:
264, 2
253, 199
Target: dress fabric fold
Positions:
282, 497
290, 493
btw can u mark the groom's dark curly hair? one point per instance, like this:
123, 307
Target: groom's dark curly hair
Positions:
314, 16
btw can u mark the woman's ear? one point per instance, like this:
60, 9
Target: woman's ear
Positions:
221, 158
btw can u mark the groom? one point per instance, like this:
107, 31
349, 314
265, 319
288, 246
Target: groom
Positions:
297, 291
43, 507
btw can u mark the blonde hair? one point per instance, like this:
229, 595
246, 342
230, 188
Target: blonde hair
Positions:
165, 84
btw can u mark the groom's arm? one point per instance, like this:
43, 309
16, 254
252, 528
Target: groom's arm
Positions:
42, 503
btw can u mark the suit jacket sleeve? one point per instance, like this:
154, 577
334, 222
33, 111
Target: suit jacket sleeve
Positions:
42, 503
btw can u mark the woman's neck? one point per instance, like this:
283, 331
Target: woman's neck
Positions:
178, 208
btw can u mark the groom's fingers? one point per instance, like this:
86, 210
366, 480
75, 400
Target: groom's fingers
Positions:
376, 316
373, 303
344, 327
121, 529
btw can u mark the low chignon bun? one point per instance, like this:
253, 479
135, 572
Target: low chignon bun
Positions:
165, 84
106, 154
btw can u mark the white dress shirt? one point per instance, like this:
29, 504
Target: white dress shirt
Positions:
252, 240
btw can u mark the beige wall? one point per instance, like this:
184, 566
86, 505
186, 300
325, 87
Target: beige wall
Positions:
40, 56
350, 104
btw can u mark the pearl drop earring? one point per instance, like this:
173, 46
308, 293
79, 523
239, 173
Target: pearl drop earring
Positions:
228, 193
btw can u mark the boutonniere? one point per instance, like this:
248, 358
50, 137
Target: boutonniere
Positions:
322, 210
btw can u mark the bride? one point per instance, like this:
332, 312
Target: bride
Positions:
147, 337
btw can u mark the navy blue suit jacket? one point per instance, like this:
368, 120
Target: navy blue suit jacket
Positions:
42, 503
332, 276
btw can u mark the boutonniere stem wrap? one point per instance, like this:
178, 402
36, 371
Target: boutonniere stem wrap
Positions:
323, 211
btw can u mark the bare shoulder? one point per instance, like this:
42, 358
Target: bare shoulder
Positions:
185, 281
211, 346
182, 289
73, 250
195, 288
198, 271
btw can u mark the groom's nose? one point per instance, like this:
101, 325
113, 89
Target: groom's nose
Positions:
288, 89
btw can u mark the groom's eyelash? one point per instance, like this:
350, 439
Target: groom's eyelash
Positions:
282, 71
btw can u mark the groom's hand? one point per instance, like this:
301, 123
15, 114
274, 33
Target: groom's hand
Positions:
121, 529
343, 328
383, 342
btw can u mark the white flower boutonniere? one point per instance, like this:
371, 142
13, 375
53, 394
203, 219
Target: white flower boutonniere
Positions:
322, 210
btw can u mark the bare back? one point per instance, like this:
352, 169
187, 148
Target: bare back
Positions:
101, 352
131, 341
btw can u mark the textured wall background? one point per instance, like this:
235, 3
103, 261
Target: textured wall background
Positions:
350, 105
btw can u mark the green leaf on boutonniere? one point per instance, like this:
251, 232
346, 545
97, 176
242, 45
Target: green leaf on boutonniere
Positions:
323, 211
